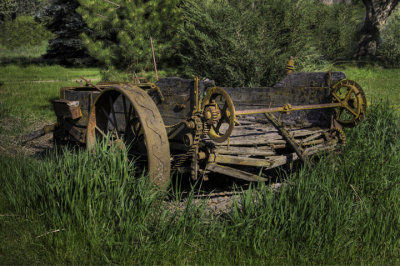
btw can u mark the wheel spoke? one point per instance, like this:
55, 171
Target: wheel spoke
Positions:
348, 108
101, 132
130, 111
113, 113
125, 111
339, 114
348, 94
336, 97
107, 115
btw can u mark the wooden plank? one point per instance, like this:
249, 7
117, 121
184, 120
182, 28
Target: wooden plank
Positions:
237, 160
284, 159
255, 151
229, 171
310, 138
253, 141
265, 139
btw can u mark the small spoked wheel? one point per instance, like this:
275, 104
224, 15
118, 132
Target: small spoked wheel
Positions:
353, 103
224, 124
127, 117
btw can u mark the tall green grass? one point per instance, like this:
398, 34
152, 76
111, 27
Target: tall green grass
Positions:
22, 54
378, 83
344, 210
26, 92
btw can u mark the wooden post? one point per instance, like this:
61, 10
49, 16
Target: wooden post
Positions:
154, 57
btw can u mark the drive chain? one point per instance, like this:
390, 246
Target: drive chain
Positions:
200, 130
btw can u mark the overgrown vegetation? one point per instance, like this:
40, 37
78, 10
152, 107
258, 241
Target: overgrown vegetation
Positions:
75, 207
390, 47
241, 43
87, 208
23, 31
121, 31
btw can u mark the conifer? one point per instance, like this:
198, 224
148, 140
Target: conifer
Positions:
121, 30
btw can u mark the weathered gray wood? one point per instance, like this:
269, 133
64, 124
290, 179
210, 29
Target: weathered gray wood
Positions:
282, 160
288, 137
313, 142
309, 79
229, 171
238, 160
312, 137
233, 150
320, 148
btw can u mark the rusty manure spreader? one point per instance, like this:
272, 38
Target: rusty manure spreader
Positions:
192, 126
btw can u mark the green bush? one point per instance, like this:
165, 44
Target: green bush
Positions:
23, 31
390, 45
248, 43
335, 34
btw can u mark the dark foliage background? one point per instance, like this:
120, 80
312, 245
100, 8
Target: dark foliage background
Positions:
234, 42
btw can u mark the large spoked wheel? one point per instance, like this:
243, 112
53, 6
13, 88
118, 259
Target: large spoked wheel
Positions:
128, 116
353, 103
222, 128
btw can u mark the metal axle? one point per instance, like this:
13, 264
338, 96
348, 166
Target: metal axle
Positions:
287, 108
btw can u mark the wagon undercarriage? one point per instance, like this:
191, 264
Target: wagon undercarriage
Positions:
194, 127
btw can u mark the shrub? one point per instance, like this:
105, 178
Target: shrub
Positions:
390, 46
23, 31
248, 43
336, 30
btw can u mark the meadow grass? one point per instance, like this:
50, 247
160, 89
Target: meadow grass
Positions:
345, 210
378, 83
27, 91
23, 54
75, 207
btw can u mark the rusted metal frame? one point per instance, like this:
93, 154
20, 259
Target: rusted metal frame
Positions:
154, 57
286, 108
101, 132
196, 107
90, 83
289, 138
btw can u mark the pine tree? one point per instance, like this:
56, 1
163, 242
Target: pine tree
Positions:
61, 18
120, 31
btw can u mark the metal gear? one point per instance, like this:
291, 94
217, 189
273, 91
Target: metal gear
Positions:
353, 102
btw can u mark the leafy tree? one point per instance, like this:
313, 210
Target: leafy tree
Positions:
335, 34
376, 14
22, 31
120, 31
389, 50
10, 9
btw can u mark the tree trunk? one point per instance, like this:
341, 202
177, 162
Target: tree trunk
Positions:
376, 14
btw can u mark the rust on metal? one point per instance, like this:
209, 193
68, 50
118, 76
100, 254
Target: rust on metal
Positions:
193, 127
288, 108
290, 66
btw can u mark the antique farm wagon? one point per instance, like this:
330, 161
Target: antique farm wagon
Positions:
192, 126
